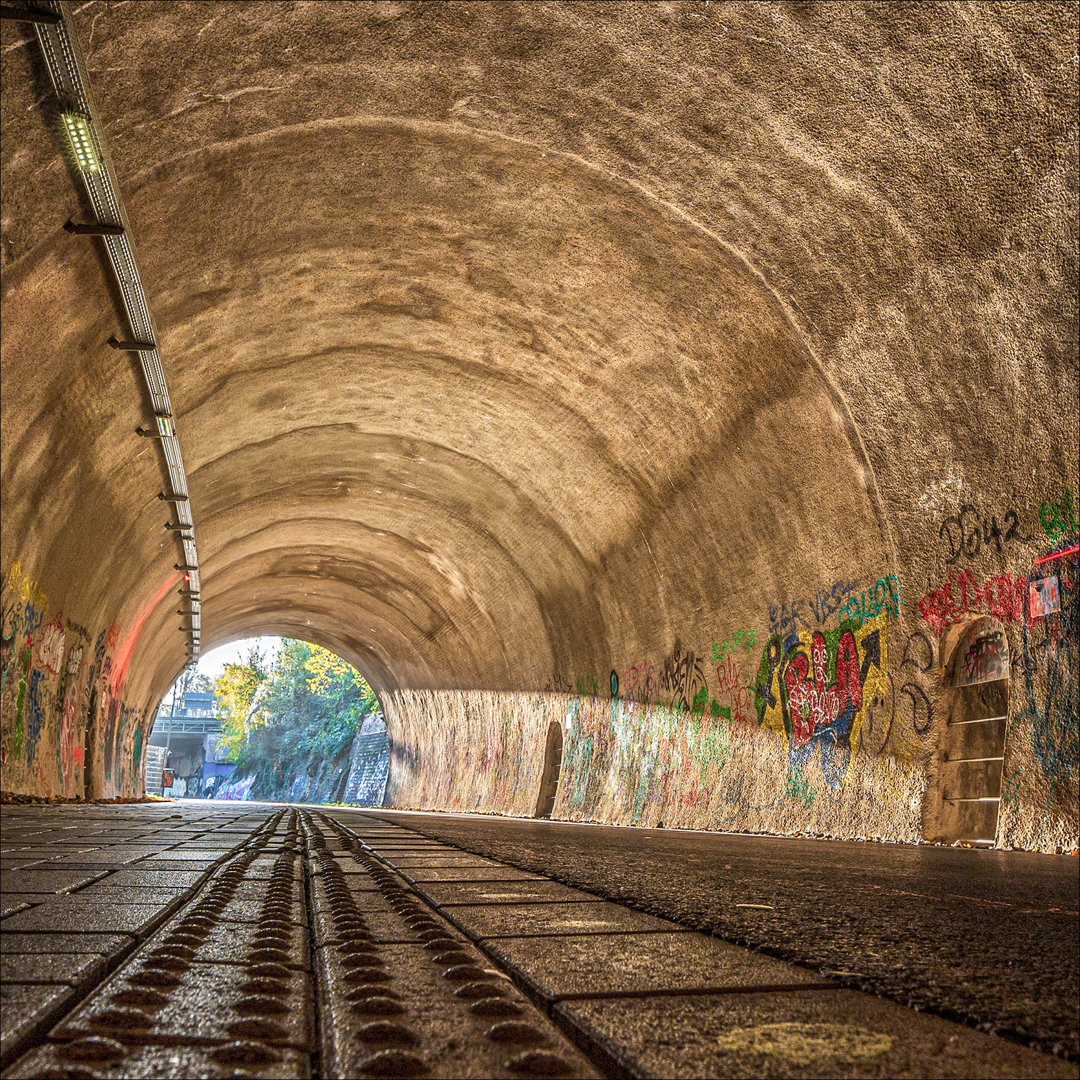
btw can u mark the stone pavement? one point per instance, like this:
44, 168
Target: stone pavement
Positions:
215, 939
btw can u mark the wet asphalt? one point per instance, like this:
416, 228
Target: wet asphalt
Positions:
986, 937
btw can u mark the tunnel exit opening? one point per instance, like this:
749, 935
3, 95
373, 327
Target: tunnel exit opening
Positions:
972, 751
549, 780
270, 719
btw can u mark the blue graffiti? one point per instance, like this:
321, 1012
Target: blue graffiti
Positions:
35, 715
1052, 648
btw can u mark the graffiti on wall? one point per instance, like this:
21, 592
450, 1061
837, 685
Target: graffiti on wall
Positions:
817, 690
981, 656
883, 595
1058, 516
788, 617
683, 676
1003, 596
1044, 597
638, 684
969, 532
740, 639
1051, 657
55, 688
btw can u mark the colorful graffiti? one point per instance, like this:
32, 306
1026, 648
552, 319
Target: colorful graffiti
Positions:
883, 595
58, 693
982, 656
1003, 596
1058, 516
1051, 657
817, 691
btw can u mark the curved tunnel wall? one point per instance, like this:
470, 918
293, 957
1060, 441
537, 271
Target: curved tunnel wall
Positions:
683, 378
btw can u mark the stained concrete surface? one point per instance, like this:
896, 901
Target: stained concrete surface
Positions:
989, 937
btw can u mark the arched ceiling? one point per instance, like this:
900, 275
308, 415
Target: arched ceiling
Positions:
507, 340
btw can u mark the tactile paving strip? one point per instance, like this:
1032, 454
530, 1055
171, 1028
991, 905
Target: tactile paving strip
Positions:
430, 1005
177, 1007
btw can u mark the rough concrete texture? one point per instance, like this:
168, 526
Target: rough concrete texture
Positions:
569, 348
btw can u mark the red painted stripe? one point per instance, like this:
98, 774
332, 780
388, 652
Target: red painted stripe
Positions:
1057, 554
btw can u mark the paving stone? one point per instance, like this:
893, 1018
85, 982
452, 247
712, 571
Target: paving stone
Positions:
155, 879
251, 911
40, 880
167, 1062
468, 873
358, 876
26, 1008
104, 892
382, 928
76, 969
522, 920
106, 944
431, 848
806, 1034
452, 858
265, 869
183, 854
70, 915
39, 852
598, 963
210, 1001
506, 892
234, 942
107, 857
437, 1027
258, 890
201, 865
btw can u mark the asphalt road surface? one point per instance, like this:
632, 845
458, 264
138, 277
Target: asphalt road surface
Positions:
987, 937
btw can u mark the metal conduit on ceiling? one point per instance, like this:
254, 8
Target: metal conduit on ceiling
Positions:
60, 49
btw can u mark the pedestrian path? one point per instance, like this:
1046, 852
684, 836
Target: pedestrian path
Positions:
200, 939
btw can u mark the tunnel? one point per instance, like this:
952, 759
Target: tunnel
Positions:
670, 409
692, 377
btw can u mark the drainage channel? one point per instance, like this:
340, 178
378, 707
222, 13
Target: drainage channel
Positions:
303, 955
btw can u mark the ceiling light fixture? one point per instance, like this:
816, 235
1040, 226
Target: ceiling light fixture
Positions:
78, 132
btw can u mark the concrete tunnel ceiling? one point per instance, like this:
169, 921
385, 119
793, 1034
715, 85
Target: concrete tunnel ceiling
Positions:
464, 384
510, 342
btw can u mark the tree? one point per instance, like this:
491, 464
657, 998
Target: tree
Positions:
307, 706
235, 696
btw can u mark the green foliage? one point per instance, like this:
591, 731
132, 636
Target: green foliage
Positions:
277, 720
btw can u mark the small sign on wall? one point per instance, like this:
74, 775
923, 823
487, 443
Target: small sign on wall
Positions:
1043, 597
982, 654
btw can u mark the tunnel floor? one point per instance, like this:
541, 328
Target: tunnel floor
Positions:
200, 939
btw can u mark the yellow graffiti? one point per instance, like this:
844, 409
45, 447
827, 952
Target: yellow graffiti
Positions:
820, 686
25, 588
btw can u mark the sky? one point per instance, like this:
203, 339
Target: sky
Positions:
212, 664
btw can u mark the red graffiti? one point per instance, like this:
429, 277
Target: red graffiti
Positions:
638, 683
49, 647
730, 689
1002, 596
816, 704
727, 674
127, 646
